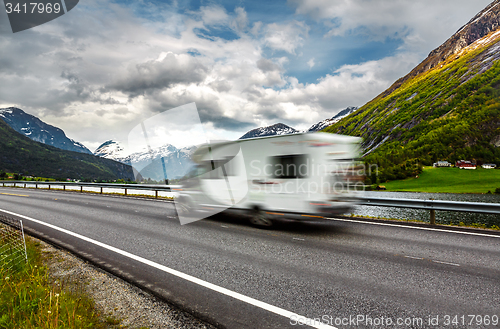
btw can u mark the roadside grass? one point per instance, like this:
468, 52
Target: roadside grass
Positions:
449, 180
29, 299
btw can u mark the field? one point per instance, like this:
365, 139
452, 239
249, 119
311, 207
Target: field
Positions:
449, 180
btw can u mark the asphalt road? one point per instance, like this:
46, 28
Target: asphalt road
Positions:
342, 273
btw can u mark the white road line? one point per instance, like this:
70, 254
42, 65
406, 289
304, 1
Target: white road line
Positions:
414, 227
227, 292
299, 239
437, 261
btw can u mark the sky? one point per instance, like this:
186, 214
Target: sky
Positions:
105, 66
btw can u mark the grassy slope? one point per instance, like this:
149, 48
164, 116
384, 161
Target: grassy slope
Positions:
29, 300
449, 180
451, 112
20, 154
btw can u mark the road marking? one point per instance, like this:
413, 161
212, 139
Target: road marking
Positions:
299, 239
249, 300
224, 226
14, 194
414, 227
437, 261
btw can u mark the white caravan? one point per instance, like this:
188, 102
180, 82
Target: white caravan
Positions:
304, 176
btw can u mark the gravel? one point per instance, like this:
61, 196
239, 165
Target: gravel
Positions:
115, 297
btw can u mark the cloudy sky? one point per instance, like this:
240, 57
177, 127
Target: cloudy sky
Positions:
105, 66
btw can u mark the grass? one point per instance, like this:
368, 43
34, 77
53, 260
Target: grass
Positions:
29, 299
449, 180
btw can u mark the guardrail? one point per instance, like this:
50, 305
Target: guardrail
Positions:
431, 205
101, 186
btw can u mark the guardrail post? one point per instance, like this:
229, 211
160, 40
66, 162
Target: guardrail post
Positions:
156, 193
14, 184
433, 217
24, 185
36, 185
101, 189
81, 188
64, 187
125, 191
49, 186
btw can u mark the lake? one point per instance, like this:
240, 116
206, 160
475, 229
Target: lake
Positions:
442, 217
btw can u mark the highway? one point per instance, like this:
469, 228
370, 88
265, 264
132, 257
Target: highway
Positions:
333, 274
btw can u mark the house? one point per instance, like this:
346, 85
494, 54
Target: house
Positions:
462, 164
489, 166
442, 164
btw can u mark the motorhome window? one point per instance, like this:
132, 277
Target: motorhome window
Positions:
218, 172
289, 166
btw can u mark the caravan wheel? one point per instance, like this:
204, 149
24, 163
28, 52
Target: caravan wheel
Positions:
259, 218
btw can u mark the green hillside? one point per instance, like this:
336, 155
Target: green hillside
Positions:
20, 154
449, 180
449, 112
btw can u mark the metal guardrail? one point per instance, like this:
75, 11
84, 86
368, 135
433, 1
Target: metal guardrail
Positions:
480, 207
101, 186
431, 205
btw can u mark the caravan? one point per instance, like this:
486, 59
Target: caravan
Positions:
304, 176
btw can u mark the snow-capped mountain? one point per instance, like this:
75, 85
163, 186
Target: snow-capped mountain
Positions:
39, 131
276, 129
165, 162
336, 118
111, 150
283, 129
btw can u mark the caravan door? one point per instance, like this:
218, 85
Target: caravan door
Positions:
285, 189
225, 180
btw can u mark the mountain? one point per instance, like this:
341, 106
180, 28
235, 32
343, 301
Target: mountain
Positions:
276, 129
336, 118
19, 154
283, 129
482, 24
110, 150
39, 131
151, 163
447, 108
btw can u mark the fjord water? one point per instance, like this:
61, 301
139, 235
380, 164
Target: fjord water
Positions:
442, 217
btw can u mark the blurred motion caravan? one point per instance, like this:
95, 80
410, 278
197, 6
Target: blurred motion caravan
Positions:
304, 176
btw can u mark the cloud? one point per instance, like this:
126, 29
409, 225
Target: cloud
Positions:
418, 23
214, 15
210, 106
160, 74
102, 68
241, 20
287, 37
311, 63
220, 85
266, 65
